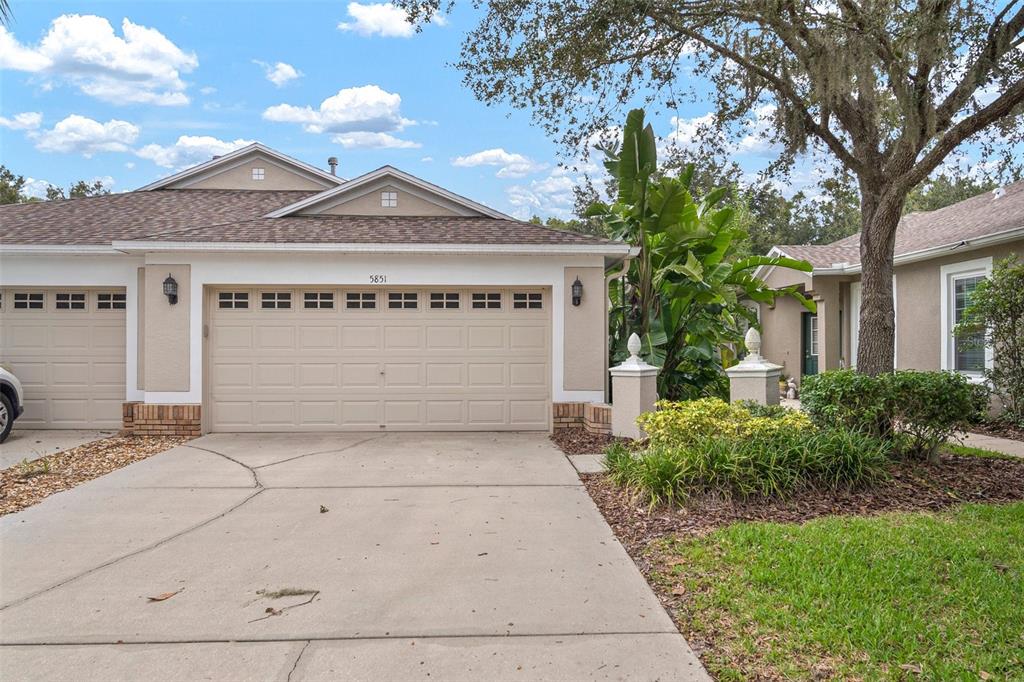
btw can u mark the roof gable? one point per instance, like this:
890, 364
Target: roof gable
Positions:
234, 171
430, 198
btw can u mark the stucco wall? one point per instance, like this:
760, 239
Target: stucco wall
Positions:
918, 313
780, 335
140, 383
369, 204
585, 331
276, 177
166, 338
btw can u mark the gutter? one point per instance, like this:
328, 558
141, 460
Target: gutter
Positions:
59, 250
622, 250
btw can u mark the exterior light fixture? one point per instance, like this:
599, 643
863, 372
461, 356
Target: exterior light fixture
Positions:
171, 289
577, 291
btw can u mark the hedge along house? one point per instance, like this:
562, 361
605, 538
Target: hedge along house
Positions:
254, 292
940, 256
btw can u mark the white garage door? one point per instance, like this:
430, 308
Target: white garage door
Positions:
314, 359
67, 346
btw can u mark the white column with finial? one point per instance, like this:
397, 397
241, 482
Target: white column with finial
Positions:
754, 377
634, 391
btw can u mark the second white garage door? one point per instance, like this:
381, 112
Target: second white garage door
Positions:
316, 359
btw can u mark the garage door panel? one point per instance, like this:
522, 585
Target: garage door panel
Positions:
360, 375
379, 368
71, 363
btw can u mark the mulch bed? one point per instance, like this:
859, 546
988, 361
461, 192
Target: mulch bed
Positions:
582, 442
24, 485
999, 430
912, 486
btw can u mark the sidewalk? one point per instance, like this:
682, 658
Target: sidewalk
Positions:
1007, 446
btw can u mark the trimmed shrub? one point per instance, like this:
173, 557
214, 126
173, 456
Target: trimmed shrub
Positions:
921, 410
675, 424
768, 464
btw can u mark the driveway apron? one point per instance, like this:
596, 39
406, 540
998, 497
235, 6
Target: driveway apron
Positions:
331, 556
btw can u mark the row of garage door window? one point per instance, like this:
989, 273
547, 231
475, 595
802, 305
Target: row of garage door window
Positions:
66, 301
367, 300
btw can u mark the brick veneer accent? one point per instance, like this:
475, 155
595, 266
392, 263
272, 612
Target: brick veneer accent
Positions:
594, 417
139, 419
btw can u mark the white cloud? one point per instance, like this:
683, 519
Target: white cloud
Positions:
29, 120
427, 159
140, 66
189, 150
511, 165
367, 108
552, 195
81, 135
35, 188
366, 140
280, 73
208, 90
381, 18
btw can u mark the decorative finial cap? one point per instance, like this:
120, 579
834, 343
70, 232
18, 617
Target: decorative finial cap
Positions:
633, 345
753, 341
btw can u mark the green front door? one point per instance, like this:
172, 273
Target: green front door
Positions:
809, 344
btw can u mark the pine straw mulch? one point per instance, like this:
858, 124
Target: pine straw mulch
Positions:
577, 441
911, 486
26, 484
999, 430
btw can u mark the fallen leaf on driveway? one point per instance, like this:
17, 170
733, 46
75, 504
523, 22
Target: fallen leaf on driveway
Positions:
163, 597
323, 509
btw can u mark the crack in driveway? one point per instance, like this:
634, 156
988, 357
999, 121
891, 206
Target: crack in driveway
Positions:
257, 485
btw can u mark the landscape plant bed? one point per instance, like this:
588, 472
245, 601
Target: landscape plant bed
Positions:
29, 483
578, 441
910, 486
706, 598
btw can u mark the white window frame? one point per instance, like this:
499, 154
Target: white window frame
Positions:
389, 199
259, 173
948, 274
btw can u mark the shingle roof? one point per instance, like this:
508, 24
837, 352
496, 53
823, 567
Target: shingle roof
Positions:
103, 219
335, 229
237, 216
822, 255
980, 216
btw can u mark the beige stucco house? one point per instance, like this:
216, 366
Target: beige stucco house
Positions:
255, 292
939, 258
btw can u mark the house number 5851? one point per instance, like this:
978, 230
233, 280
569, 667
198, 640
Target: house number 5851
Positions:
378, 279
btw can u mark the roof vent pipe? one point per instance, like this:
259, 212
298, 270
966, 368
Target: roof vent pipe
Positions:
333, 163
998, 192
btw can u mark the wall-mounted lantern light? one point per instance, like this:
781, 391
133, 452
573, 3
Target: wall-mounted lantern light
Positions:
171, 290
577, 291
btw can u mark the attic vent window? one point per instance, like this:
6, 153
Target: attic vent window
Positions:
389, 199
258, 173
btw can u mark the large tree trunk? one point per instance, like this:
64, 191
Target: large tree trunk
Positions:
880, 214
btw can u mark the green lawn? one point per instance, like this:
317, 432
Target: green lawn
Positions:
871, 598
968, 451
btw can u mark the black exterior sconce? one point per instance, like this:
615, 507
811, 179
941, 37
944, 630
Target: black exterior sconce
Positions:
577, 291
171, 290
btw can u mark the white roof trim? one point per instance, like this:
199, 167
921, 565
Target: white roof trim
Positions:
505, 249
385, 171
57, 249
212, 164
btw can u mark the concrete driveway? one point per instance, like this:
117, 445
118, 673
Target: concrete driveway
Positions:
341, 556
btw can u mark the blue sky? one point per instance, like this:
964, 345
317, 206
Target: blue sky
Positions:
90, 96
130, 92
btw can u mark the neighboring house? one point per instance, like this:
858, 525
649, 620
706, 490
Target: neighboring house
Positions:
254, 292
940, 256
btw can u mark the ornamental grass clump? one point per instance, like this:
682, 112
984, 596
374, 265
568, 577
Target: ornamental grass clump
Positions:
723, 449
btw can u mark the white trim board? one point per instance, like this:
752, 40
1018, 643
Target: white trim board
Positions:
386, 172
611, 249
978, 266
229, 161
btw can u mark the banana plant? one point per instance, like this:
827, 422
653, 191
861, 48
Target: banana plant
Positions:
684, 294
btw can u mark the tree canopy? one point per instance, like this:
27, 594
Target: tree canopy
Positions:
886, 90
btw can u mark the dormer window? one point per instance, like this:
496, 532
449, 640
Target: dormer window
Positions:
258, 173
389, 199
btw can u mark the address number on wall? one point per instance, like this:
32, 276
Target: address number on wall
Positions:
378, 279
